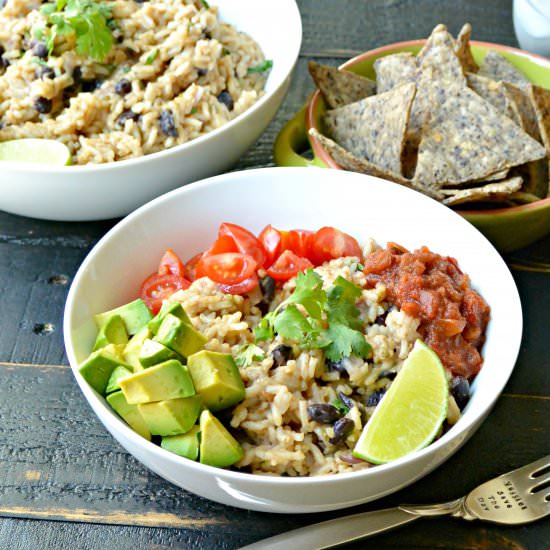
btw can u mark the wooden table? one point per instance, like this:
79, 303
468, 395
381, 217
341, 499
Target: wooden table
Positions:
66, 483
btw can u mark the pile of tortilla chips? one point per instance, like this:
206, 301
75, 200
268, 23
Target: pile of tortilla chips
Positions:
441, 124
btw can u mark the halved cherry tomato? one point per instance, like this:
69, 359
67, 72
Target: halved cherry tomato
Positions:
170, 263
288, 265
228, 268
329, 243
157, 288
298, 240
271, 240
245, 241
224, 243
191, 267
240, 288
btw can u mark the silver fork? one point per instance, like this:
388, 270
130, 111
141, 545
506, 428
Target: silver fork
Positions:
520, 496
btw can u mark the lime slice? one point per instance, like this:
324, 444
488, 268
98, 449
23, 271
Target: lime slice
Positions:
409, 416
41, 151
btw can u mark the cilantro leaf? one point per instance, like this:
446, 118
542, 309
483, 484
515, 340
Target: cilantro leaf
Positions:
262, 67
346, 341
88, 20
340, 406
341, 304
309, 293
247, 354
291, 324
264, 329
151, 57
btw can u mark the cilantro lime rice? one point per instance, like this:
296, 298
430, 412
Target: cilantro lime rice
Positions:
143, 77
303, 412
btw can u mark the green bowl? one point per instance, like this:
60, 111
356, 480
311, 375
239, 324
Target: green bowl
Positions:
507, 228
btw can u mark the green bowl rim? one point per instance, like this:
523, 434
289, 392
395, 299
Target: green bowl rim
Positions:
324, 156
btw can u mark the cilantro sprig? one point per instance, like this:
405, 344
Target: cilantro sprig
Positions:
247, 354
87, 20
331, 321
262, 67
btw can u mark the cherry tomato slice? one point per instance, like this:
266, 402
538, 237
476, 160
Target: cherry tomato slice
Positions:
170, 263
271, 240
245, 241
298, 240
157, 288
191, 267
240, 288
329, 243
288, 265
228, 268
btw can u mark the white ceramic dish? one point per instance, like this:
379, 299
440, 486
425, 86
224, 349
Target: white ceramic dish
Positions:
187, 220
93, 192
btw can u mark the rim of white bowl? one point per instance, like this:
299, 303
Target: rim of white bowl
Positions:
465, 422
293, 35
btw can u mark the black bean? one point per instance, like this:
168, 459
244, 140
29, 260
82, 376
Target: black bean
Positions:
323, 413
460, 389
77, 75
91, 85
387, 374
281, 354
42, 104
267, 286
45, 72
381, 319
202, 72
226, 99
126, 115
4, 63
337, 366
374, 398
167, 124
342, 428
123, 87
40, 50
346, 400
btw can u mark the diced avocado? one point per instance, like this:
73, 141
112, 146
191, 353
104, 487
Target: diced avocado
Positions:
112, 332
117, 375
133, 348
173, 308
134, 314
169, 380
186, 445
171, 417
179, 336
216, 379
217, 446
153, 353
97, 369
129, 414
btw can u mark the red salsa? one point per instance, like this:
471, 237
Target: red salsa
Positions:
432, 288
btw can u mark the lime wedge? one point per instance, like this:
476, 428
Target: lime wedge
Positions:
41, 151
411, 412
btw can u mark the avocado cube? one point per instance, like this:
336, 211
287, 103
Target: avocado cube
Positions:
169, 380
99, 366
217, 446
186, 445
112, 332
153, 353
133, 348
117, 375
216, 379
179, 336
171, 417
129, 413
134, 314
173, 308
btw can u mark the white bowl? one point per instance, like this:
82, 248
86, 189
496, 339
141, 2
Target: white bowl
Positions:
93, 192
187, 220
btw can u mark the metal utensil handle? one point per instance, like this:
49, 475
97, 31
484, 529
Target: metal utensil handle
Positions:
336, 531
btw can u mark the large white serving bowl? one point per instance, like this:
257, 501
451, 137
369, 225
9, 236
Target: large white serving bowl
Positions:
187, 220
94, 192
